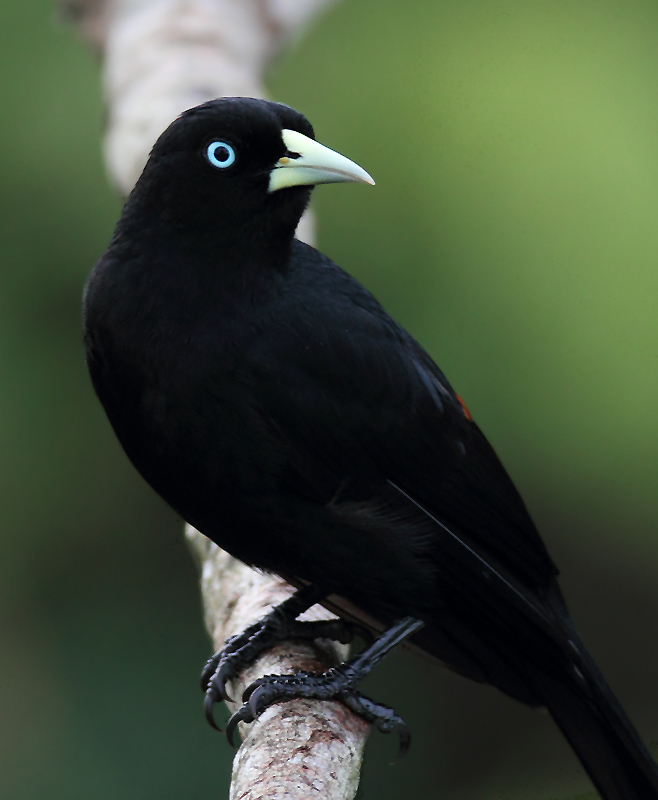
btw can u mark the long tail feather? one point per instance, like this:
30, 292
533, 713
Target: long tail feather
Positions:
602, 736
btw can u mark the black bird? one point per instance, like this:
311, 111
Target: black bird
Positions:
274, 404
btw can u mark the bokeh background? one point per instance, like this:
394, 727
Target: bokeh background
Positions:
512, 230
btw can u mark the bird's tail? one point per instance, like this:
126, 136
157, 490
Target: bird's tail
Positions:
604, 739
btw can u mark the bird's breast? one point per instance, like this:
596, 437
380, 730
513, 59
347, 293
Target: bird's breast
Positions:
180, 395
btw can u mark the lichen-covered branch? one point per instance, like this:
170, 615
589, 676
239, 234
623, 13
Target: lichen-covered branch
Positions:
159, 58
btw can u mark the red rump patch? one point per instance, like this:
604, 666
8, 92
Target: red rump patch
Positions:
467, 413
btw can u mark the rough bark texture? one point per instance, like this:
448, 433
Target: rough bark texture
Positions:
299, 749
159, 58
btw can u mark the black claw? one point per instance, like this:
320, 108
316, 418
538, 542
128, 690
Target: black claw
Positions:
382, 717
405, 744
252, 688
241, 715
208, 706
214, 674
396, 724
208, 671
219, 680
253, 701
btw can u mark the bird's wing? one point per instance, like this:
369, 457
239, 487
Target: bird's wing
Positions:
362, 408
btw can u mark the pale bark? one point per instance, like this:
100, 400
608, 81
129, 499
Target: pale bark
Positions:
298, 749
159, 58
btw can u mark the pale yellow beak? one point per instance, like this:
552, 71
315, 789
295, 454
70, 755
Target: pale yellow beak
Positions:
315, 164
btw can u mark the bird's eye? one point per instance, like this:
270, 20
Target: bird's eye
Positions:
220, 154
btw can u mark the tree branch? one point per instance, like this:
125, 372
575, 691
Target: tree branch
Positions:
297, 749
159, 58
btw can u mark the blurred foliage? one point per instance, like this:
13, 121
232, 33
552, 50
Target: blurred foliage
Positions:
512, 230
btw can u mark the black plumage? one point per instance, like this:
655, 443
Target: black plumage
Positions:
273, 403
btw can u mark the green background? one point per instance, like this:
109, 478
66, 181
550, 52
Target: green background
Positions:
512, 230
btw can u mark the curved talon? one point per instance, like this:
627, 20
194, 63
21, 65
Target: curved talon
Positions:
241, 715
390, 725
226, 696
208, 671
252, 688
382, 717
254, 697
208, 706
405, 744
220, 679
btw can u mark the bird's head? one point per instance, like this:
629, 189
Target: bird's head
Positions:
239, 165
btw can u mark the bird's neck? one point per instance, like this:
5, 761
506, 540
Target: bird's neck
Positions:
225, 227
211, 267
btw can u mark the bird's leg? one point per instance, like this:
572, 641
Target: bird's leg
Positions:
338, 683
279, 625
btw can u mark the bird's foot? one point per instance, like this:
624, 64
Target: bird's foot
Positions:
278, 626
337, 683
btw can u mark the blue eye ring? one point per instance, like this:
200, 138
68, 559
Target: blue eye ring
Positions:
220, 154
